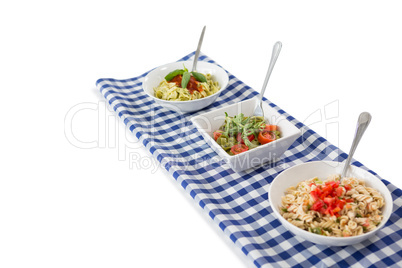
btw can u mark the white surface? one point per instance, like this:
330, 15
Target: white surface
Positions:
208, 123
65, 206
153, 79
323, 170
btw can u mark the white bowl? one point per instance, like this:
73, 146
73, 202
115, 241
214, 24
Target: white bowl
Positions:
322, 170
209, 122
153, 78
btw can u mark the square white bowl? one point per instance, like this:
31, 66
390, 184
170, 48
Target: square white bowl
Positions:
209, 122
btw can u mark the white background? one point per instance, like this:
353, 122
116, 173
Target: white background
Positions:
65, 206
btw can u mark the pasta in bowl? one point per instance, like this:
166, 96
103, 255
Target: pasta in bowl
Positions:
174, 87
172, 90
314, 203
334, 207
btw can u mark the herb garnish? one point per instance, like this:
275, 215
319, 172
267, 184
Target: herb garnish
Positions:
186, 76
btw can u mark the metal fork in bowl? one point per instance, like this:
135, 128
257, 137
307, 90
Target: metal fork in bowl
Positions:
275, 53
197, 52
362, 124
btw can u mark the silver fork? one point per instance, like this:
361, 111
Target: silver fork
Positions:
275, 53
197, 52
362, 124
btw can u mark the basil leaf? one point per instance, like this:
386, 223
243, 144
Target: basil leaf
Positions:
172, 74
199, 77
186, 79
184, 68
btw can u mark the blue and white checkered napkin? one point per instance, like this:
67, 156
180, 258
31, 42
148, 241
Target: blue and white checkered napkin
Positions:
238, 202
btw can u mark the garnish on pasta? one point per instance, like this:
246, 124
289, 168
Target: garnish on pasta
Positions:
334, 207
182, 85
239, 133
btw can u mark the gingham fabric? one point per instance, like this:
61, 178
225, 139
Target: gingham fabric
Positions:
238, 202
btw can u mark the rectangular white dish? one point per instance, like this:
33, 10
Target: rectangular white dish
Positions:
209, 122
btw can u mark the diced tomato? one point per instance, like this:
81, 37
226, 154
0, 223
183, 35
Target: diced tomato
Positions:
366, 224
348, 187
326, 190
341, 203
316, 193
240, 139
217, 135
334, 184
350, 200
329, 200
238, 148
337, 209
339, 191
318, 205
328, 211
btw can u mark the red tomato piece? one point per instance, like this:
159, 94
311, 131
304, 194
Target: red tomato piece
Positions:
339, 191
314, 195
328, 201
341, 203
266, 136
238, 148
318, 205
271, 127
217, 135
240, 139
337, 209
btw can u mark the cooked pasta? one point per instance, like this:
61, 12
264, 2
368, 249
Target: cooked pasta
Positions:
172, 92
334, 207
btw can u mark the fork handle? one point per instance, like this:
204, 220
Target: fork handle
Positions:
275, 53
362, 124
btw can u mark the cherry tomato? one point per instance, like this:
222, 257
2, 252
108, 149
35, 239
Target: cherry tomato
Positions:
240, 139
238, 148
271, 127
266, 136
217, 135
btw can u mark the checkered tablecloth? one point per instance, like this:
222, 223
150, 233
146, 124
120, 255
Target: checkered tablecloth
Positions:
238, 202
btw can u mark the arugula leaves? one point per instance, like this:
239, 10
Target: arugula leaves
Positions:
245, 125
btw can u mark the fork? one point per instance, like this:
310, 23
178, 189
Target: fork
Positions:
275, 53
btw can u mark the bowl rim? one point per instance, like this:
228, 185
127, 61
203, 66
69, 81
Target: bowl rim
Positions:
226, 78
259, 148
293, 228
